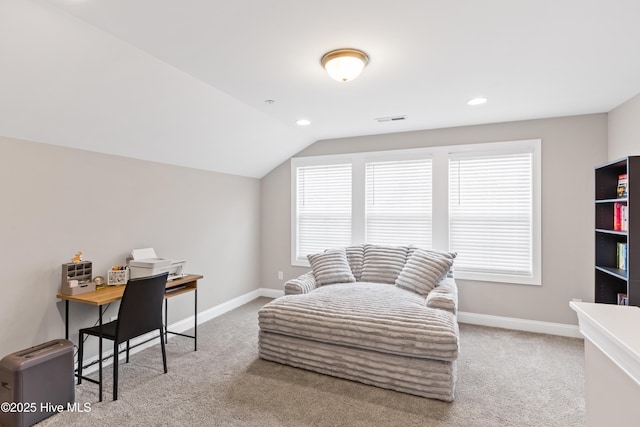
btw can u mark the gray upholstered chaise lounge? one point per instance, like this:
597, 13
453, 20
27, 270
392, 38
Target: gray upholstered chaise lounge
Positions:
387, 318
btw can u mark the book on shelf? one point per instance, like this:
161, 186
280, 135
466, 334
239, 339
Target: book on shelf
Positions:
624, 213
622, 185
623, 299
621, 256
619, 211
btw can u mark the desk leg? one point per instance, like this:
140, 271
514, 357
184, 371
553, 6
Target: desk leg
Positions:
195, 317
100, 356
66, 319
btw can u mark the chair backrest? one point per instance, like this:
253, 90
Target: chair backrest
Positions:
141, 307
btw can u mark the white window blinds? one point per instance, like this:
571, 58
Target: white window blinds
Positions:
398, 202
491, 213
323, 208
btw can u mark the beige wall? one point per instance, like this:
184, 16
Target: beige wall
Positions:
56, 201
571, 147
624, 129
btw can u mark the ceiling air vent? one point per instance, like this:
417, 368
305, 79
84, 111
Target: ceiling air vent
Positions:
391, 119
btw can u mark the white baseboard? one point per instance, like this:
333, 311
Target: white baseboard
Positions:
271, 293
220, 309
213, 312
560, 329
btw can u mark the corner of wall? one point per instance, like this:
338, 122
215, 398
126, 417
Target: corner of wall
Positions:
624, 129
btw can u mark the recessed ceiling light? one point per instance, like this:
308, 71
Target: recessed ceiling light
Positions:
477, 101
303, 122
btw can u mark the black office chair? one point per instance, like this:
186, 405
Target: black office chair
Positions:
140, 312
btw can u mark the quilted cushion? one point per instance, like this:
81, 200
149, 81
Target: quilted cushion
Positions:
383, 264
330, 267
371, 316
423, 270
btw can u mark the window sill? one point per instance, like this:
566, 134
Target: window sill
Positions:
496, 278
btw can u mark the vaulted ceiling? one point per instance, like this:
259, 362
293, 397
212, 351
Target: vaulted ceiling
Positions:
185, 82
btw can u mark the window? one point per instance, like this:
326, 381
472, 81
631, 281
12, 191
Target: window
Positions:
323, 208
490, 213
398, 202
480, 200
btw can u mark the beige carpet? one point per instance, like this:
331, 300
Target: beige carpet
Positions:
505, 378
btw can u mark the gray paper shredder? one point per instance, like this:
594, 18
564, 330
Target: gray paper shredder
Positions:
35, 380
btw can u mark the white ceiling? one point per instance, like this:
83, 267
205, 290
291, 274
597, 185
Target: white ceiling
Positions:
185, 82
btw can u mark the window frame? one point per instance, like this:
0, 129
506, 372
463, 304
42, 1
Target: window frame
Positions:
303, 162
439, 156
534, 147
294, 206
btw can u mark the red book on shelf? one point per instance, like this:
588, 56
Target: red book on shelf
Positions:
617, 216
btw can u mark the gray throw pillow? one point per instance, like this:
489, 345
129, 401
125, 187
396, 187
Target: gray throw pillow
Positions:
383, 264
355, 257
330, 267
423, 270
445, 254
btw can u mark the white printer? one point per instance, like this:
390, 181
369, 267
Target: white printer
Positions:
145, 263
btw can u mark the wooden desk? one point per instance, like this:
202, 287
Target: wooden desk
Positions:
109, 294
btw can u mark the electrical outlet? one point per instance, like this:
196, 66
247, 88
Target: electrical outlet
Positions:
280, 275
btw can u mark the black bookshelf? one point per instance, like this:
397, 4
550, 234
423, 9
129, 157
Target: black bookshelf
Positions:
610, 281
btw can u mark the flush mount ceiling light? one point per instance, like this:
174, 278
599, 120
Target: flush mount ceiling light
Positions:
344, 65
303, 122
